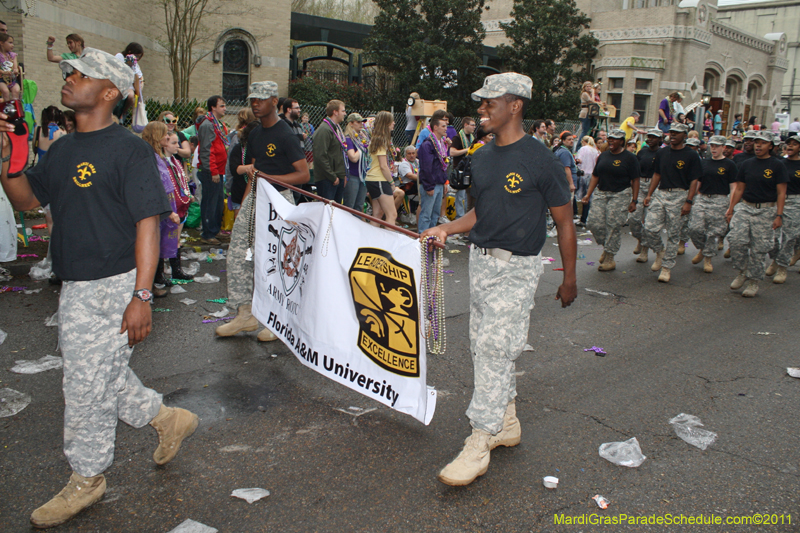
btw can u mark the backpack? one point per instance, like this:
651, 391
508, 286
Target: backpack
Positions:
460, 176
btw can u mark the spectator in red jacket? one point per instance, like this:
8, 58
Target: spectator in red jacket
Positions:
212, 138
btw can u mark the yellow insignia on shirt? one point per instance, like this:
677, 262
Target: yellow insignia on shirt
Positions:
797, 173
271, 149
85, 171
513, 181
768, 173
680, 164
721, 171
616, 162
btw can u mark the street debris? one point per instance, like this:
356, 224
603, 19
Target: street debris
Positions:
177, 289
601, 293
602, 503
597, 351
52, 321
687, 428
250, 495
764, 333
197, 256
585, 242
32, 291
192, 269
190, 526
41, 271
48, 362
188, 301
12, 402
547, 260
792, 371
209, 320
3, 336
12, 289
221, 313
218, 301
528, 348
207, 278
626, 453
550, 482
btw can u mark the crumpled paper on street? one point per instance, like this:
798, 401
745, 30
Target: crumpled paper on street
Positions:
250, 495
48, 362
12, 402
221, 313
41, 271
190, 526
52, 321
207, 278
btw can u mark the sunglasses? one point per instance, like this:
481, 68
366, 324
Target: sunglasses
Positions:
170, 120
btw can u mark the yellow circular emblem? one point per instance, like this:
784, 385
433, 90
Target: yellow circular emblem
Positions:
84, 172
271, 149
680, 164
768, 173
513, 181
616, 162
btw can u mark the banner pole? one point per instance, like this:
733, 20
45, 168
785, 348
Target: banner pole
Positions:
345, 208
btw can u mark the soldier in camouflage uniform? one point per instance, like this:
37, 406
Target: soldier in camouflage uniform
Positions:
616, 177
761, 187
273, 150
514, 178
107, 199
636, 219
711, 202
676, 168
786, 240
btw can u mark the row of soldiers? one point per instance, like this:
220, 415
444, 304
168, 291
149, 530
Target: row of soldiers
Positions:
752, 197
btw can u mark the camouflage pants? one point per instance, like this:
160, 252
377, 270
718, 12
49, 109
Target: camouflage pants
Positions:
750, 238
708, 222
784, 248
636, 219
665, 213
501, 300
99, 387
240, 272
609, 213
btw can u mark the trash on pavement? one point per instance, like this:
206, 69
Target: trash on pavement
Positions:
602, 503
792, 371
547, 260
188, 301
528, 348
585, 242
190, 526
3, 336
32, 291
218, 301
216, 254
41, 271
52, 321
161, 310
250, 495
197, 256
192, 269
454, 251
687, 428
597, 351
207, 278
210, 320
12, 402
550, 482
601, 293
626, 453
48, 362
177, 289
764, 333
221, 313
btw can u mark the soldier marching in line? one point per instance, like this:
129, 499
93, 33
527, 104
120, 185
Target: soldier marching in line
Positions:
787, 238
636, 219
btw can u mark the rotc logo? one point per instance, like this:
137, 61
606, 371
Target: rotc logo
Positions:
797, 173
721, 171
617, 162
385, 300
680, 164
85, 171
271, 150
513, 181
768, 173
294, 246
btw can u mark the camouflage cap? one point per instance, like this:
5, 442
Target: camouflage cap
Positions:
100, 65
749, 135
655, 132
763, 136
354, 117
693, 142
616, 134
497, 85
794, 138
261, 90
718, 139
677, 127
730, 143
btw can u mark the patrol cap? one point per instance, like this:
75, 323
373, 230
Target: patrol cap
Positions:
693, 142
616, 134
655, 132
763, 136
100, 65
497, 85
677, 127
749, 135
730, 143
719, 139
354, 117
794, 138
261, 90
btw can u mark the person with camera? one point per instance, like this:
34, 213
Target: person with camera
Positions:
107, 200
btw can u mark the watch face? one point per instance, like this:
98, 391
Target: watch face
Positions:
411, 101
144, 295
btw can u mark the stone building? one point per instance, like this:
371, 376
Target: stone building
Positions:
650, 48
250, 44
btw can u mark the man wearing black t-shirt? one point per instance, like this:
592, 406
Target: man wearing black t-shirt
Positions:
458, 150
515, 180
107, 199
790, 230
616, 176
646, 156
761, 187
747, 146
711, 202
273, 150
669, 198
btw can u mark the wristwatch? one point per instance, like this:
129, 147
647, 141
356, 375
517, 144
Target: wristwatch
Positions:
689, 201
144, 295
635, 201
780, 215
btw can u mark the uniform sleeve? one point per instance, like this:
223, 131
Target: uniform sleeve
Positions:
37, 178
294, 152
143, 192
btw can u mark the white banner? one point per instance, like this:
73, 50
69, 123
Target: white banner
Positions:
344, 297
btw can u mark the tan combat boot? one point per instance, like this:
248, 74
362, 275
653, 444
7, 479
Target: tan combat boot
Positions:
656, 266
750, 288
642, 256
682, 248
244, 321
664, 276
511, 433
795, 258
721, 243
737, 283
173, 424
780, 275
608, 264
771, 269
80, 493
727, 254
699, 257
473, 461
266, 335
602, 256
708, 268
638, 248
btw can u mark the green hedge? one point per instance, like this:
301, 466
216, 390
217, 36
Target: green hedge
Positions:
309, 91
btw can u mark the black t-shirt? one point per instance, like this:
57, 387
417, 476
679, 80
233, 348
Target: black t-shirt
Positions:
274, 150
239, 184
793, 170
181, 139
513, 185
646, 156
761, 177
742, 157
718, 174
458, 144
297, 130
615, 172
678, 168
99, 185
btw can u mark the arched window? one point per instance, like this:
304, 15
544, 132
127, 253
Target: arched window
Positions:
235, 70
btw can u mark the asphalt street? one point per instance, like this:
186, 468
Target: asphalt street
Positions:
691, 346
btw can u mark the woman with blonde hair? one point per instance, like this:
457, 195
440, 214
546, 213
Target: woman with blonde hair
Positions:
355, 191
379, 176
156, 134
184, 148
587, 155
587, 99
